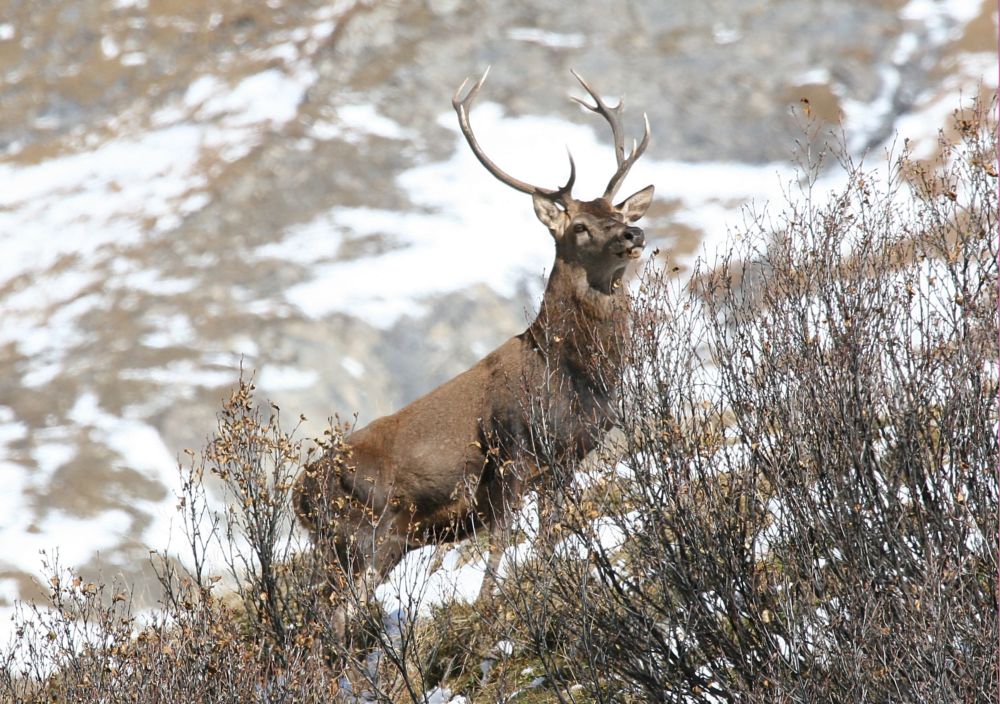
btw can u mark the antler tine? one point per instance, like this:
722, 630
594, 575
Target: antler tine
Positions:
462, 107
613, 117
624, 166
564, 192
611, 114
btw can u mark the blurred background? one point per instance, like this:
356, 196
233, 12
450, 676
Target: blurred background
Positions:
185, 185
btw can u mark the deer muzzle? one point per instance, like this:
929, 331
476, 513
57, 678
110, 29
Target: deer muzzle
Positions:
635, 240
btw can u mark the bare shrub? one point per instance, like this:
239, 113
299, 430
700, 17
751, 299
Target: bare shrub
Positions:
800, 503
262, 641
247, 615
806, 508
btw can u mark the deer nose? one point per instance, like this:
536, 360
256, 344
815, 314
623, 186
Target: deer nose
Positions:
635, 235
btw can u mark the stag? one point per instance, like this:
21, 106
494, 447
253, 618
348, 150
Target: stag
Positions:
457, 459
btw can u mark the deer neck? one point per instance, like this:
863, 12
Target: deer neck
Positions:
579, 323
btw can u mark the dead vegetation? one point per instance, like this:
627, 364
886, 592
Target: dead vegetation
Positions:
804, 509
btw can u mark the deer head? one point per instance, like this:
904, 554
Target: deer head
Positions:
596, 235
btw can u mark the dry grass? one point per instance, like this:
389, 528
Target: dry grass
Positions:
805, 506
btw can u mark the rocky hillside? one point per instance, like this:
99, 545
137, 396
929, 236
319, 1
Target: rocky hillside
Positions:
188, 186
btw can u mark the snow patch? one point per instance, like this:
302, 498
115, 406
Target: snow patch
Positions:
271, 97
355, 122
552, 40
353, 367
185, 375
276, 378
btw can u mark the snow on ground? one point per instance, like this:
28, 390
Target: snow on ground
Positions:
62, 222
552, 40
930, 26
84, 208
62, 217
78, 540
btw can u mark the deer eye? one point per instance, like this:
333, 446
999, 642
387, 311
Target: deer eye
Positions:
579, 227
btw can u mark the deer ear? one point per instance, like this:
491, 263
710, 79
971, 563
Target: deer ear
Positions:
551, 215
635, 206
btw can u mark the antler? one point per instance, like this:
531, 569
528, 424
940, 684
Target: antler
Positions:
462, 108
613, 116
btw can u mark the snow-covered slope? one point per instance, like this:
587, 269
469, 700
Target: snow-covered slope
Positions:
290, 189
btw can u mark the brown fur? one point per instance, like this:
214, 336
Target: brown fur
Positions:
454, 460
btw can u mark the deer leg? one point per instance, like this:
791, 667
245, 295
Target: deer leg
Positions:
501, 503
345, 579
365, 557
544, 507
551, 504
352, 549
498, 529
380, 551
